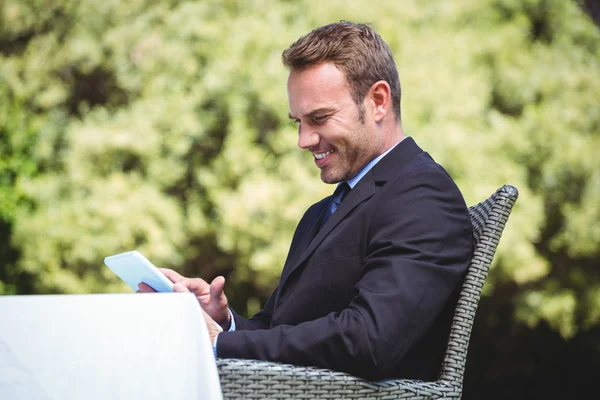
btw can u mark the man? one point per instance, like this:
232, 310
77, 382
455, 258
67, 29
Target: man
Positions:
370, 289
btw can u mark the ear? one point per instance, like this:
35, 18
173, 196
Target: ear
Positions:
380, 99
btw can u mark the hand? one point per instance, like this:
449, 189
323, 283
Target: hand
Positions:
213, 329
211, 297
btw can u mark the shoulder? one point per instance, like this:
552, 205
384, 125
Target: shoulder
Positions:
421, 187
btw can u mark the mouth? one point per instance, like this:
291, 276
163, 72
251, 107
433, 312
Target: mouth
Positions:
322, 159
320, 156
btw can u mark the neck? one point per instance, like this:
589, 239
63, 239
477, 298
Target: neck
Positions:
392, 137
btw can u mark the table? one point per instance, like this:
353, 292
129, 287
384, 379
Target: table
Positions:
105, 346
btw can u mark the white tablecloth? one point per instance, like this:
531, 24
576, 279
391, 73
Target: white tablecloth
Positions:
105, 346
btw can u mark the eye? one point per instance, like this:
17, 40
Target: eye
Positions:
320, 119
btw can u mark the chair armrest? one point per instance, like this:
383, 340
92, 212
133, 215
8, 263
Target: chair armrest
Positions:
262, 379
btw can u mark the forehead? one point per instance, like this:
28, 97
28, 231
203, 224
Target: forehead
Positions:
319, 85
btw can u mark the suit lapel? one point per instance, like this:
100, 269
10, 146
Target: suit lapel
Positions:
388, 168
313, 229
361, 192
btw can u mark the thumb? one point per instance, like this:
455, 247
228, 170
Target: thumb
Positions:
180, 288
216, 289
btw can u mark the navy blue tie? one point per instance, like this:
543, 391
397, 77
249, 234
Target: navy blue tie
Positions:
336, 199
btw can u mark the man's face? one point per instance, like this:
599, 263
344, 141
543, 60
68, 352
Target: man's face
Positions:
328, 122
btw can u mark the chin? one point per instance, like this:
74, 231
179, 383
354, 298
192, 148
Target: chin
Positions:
328, 179
331, 179
335, 174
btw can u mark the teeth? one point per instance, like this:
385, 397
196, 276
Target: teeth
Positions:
322, 155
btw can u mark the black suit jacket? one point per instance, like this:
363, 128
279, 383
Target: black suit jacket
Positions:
373, 292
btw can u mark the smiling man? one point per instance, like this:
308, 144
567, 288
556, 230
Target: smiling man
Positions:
370, 282
342, 136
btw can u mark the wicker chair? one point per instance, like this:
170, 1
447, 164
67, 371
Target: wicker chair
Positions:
252, 379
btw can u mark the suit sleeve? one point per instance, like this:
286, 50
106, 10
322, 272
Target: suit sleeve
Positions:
260, 320
419, 245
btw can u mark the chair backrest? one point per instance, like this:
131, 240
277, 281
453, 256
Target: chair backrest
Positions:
488, 218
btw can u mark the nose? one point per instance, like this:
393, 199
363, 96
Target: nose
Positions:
307, 137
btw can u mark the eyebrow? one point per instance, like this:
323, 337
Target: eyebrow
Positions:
312, 113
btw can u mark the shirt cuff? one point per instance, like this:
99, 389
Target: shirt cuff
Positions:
215, 345
232, 326
231, 329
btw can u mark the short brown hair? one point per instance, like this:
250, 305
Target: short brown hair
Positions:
357, 50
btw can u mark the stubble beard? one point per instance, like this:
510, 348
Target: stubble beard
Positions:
351, 158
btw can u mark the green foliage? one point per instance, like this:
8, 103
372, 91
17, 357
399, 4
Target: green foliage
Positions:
16, 143
17, 137
162, 126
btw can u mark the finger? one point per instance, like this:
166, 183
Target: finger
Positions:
216, 289
172, 275
143, 288
180, 288
196, 285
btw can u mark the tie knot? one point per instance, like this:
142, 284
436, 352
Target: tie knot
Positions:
336, 199
340, 192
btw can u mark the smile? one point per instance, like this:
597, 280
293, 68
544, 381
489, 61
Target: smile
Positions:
322, 155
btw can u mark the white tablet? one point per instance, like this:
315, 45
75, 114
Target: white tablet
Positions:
133, 268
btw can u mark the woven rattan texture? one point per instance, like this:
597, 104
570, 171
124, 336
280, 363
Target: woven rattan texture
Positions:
252, 379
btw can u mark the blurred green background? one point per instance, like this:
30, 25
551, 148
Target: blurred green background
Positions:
162, 126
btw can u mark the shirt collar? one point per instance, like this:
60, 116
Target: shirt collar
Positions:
352, 182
